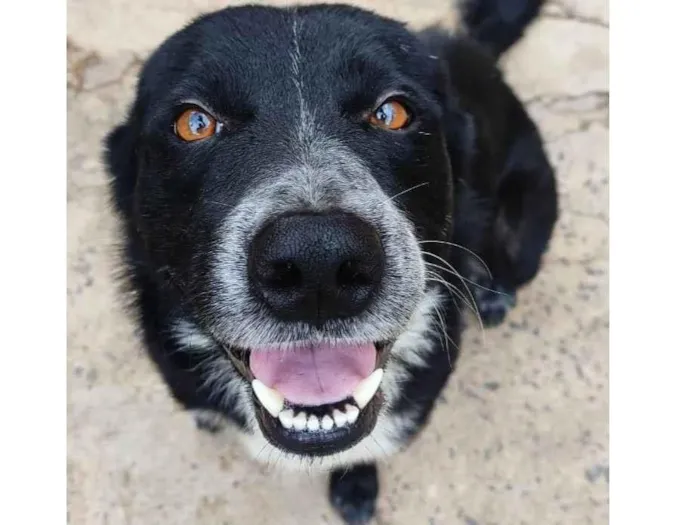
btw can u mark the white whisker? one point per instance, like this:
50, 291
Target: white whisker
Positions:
446, 338
470, 252
406, 191
466, 287
471, 306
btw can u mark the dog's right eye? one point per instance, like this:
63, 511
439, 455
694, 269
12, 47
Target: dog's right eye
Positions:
195, 124
392, 115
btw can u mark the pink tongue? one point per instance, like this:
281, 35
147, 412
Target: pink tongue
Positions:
315, 374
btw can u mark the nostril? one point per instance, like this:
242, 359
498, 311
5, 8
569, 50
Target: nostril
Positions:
350, 273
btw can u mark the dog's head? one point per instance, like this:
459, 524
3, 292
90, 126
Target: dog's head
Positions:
286, 169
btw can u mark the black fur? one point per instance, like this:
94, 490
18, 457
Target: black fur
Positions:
498, 24
353, 493
492, 189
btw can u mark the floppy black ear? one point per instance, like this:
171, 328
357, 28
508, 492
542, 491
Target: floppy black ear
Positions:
120, 157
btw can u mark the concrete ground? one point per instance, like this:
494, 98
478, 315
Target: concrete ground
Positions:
522, 434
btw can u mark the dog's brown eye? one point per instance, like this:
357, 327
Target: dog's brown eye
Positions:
195, 124
391, 115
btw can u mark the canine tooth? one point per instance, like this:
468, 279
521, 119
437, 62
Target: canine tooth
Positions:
300, 421
351, 411
340, 418
327, 422
270, 398
367, 388
287, 418
313, 424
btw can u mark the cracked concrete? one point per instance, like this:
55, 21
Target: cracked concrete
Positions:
521, 433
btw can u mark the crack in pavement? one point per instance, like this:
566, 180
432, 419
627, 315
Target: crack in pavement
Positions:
595, 109
576, 18
78, 67
135, 62
600, 97
87, 60
567, 13
587, 215
583, 126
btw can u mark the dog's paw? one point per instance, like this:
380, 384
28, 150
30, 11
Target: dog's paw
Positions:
353, 493
493, 302
209, 421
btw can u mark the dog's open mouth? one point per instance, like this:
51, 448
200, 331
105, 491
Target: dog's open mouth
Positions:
316, 398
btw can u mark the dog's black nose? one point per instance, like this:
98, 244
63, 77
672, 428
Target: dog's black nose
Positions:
316, 267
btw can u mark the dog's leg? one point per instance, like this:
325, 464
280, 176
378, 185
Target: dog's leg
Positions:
353, 493
523, 217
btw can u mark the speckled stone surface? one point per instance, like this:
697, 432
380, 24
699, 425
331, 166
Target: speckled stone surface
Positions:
521, 435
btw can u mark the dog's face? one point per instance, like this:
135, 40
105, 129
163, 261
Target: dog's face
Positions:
288, 166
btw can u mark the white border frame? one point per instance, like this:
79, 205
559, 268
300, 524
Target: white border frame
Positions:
655, 174
655, 262
33, 142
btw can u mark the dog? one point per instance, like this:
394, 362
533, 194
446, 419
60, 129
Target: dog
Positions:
311, 200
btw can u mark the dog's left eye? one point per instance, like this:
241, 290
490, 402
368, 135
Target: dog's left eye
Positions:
195, 124
391, 115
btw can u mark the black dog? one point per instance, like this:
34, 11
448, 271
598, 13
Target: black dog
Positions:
305, 193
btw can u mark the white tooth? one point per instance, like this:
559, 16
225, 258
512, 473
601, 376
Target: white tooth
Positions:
340, 418
271, 399
327, 422
367, 388
313, 424
300, 421
351, 411
287, 418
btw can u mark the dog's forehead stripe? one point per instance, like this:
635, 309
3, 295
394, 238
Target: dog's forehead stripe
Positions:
306, 124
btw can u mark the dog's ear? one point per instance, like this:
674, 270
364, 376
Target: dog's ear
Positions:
121, 160
460, 130
458, 124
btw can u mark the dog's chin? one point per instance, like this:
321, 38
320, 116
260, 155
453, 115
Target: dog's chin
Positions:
315, 422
